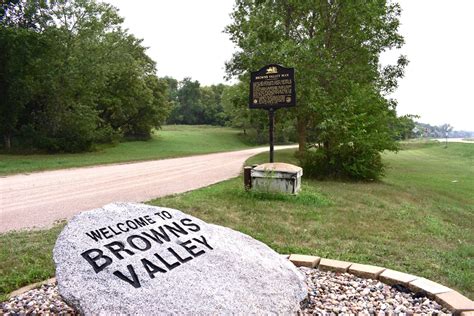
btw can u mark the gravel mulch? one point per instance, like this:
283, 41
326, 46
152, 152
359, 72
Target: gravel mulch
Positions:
330, 293
346, 294
44, 300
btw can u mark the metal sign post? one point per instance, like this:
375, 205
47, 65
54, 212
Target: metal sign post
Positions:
272, 87
271, 117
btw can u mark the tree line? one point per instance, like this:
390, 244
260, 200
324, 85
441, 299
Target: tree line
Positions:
195, 104
421, 130
72, 77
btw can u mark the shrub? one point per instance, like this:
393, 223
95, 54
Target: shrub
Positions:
345, 161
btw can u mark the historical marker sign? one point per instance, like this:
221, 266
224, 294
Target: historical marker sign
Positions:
128, 258
273, 86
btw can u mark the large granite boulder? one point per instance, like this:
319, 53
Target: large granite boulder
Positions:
128, 258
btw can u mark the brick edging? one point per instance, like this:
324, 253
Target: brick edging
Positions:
30, 287
449, 298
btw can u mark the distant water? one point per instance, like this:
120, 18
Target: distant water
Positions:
455, 140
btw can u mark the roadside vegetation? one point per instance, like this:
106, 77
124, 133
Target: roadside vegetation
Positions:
418, 219
170, 141
72, 77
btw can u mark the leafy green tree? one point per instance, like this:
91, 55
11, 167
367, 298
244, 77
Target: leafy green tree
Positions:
74, 76
211, 100
20, 45
342, 118
235, 100
133, 100
404, 127
188, 109
172, 90
16, 83
195, 104
151, 112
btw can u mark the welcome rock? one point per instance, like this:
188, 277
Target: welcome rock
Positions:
128, 258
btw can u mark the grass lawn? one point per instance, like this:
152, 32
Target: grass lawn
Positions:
171, 141
418, 219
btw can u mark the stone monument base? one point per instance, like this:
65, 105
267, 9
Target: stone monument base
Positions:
276, 177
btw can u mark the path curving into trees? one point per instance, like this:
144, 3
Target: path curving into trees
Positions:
37, 200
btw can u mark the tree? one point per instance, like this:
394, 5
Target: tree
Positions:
172, 90
195, 104
343, 118
16, 85
72, 77
234, 100
188, 108
233, 97
405, 126
211, 100
20, 45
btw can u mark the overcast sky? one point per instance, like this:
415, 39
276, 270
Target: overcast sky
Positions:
185, 39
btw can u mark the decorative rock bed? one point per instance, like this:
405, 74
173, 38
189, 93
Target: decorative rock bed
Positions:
329, 292
39, 301
344, 293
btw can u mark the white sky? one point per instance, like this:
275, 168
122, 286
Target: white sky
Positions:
185, 38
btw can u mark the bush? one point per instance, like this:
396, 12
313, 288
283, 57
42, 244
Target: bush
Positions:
71, 130
345, 161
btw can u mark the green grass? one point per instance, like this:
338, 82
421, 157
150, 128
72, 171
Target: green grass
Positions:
171, 141
26, 257
418, 219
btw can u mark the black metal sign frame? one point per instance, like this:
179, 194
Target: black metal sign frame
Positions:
272, 88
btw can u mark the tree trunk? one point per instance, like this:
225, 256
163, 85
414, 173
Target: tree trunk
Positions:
7, 141
301, 128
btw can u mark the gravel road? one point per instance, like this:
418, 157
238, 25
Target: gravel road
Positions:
39, 199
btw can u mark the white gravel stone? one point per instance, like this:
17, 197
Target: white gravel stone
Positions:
174, 264
373, 297
41, 301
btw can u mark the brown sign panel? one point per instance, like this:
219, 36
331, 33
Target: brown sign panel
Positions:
273, 86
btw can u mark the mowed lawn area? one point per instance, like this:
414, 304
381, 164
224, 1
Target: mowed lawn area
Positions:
170, 141
418, 219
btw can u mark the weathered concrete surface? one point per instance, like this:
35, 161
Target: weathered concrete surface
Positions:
276, 177
137, 259
40, 199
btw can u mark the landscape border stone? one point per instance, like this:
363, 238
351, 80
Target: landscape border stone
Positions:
453, 300
392, 277
334, 265
428, 286
365, 271
304, 260
447, 297
30, 287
